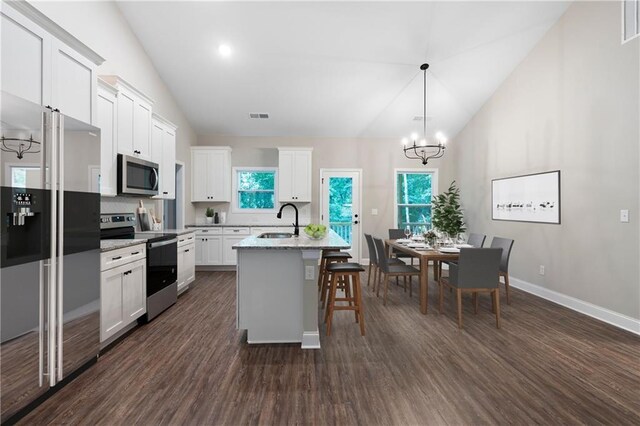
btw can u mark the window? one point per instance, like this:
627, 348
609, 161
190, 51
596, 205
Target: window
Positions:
630, 19
25, 176
255, 189
414, 189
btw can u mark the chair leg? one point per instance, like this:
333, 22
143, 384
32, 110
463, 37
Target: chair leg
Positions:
332, 301
404, 279
397, 280
475, 302
459, 303
410, 286
321, 274
369, 274
440, 296
506, 286
325, 288
379, 283
496, 293
386, 288
353, 293
359, 307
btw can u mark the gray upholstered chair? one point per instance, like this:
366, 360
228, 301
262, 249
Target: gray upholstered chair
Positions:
373, 261
390, 270
476, 240
477, 271
396, 234
505, 244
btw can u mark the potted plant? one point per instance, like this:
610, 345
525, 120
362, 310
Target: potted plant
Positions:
209, 215
447, 214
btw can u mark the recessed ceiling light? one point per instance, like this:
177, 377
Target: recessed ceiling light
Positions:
224, 50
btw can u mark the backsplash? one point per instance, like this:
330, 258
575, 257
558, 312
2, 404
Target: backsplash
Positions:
288, 215
128, 205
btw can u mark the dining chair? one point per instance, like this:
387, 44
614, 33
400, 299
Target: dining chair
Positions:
506, 245
477, 271
373, 261
396, 234
476, 240
388, 269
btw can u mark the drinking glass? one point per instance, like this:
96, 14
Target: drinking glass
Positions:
407, 231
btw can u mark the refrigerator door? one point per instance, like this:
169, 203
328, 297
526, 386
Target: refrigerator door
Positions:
25, 251
78, 310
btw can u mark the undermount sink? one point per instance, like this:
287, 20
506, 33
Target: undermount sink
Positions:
276, 235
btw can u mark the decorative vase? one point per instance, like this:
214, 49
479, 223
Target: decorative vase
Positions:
208, 220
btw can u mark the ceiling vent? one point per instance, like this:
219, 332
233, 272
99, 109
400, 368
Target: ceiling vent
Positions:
259, 115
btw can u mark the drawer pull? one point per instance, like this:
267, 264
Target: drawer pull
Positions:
116, 258
134, 253
186, 251
128, 272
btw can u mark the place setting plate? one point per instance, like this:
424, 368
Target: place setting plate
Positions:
452, 250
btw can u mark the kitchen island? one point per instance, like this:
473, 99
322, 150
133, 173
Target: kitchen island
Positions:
277, 292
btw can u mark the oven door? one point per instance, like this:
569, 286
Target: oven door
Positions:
162, 265
137, 176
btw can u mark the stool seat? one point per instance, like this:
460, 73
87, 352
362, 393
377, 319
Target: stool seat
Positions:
337, 255
345, 267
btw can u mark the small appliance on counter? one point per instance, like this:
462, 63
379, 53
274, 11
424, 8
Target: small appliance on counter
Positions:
162, 259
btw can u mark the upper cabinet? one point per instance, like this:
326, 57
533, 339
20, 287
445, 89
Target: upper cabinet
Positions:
163, 152
211, 174
43, 63
294, 174
107, 120
134, 119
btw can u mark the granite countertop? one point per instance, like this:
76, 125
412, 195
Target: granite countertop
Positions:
331, 241
108, 245
244, 225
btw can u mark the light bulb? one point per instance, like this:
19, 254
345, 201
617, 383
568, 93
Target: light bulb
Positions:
405, 141
423, 142
439, 136
224, 50
414, 137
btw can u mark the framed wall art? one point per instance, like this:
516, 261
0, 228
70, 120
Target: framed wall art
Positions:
527, 198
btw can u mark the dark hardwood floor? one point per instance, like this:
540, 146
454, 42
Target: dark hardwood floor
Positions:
547, 365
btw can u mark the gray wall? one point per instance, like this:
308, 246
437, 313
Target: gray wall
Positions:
376, 157
573, 105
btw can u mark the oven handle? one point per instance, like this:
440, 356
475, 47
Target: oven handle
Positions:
163, 243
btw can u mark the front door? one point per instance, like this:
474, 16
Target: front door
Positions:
340, 205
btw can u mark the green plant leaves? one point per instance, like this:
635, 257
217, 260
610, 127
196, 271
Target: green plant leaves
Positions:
447, 213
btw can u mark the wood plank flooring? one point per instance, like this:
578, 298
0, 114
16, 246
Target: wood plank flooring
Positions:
547, 365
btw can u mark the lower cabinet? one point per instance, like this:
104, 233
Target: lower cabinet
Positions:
229, 255
214, 246
186, 261
208, 250
123, 294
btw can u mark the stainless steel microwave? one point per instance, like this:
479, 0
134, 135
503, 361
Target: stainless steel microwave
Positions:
137, 176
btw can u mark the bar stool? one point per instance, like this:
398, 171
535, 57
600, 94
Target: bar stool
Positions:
327, 259
323, 265
351, 274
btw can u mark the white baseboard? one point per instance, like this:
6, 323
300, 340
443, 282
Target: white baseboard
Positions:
310, 340
618, 320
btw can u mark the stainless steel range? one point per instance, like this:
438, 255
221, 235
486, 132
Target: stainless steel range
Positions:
162, 260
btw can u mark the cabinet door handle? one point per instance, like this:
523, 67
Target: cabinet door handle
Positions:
116, 258
128, 272
186, 251
165, 192
134, 253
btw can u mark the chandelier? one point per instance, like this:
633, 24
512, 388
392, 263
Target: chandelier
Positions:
21, 147
423, 150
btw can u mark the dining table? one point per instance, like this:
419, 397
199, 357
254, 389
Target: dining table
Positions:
425, 255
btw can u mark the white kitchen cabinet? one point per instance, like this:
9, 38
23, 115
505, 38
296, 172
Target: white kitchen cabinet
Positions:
208, 250
134, 119
294, 174
107, 122
123, 289
186, 261
229, 255
163, 152
43, 63
211, 174
134, 291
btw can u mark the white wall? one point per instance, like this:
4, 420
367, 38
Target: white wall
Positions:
573, 105
376, 157
101, 26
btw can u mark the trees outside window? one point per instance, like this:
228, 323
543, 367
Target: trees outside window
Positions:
413, 198
256, 189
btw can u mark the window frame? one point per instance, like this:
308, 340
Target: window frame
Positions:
624, 21
434, 188
235, 207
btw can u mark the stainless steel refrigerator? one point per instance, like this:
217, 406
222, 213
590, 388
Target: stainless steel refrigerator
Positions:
49, 250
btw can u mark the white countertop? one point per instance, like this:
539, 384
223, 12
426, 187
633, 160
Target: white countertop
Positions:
331, 241
108, 245
245, 225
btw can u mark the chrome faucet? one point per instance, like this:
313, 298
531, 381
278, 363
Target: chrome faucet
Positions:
296, 229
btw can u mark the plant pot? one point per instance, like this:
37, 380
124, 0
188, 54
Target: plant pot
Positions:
208, 220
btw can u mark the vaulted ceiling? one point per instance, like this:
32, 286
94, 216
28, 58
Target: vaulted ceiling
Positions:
336, 69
